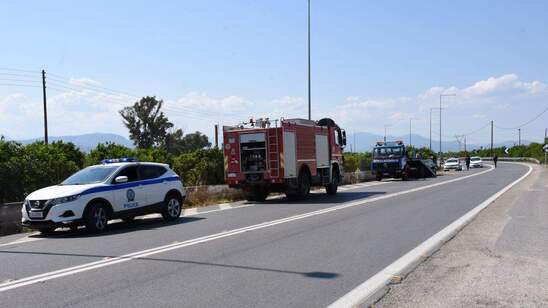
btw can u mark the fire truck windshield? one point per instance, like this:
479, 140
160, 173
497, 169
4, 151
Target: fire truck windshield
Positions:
387, 151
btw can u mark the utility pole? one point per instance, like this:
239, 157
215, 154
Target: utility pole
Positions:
519, 136
45, 107
309, 91
491, 138
355, 145
385, 132
217, 136
465, 144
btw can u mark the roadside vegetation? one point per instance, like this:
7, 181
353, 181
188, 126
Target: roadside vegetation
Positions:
25, 168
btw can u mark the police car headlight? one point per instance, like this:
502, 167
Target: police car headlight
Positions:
63, 200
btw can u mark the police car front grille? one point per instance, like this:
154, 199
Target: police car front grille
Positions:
37, 204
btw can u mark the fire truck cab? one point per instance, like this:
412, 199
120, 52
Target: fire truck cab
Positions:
289, 156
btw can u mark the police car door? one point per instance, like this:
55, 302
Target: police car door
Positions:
129, 195
155, 188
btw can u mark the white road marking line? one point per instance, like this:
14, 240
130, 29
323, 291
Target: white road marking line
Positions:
375, 287
145, 253
25, 239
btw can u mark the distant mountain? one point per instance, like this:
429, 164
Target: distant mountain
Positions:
87, 142
366, 141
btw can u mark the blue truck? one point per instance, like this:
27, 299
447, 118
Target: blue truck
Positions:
390, 159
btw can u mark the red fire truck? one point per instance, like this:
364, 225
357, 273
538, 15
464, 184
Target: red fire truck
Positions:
289, 156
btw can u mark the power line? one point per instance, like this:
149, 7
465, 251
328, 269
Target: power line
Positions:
477, 130
18, 80
64, 82
19, 85
526, 123
68, 81
18, 70
19, 75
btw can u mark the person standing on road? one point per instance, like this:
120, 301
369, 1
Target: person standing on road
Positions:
467, 162
495, 160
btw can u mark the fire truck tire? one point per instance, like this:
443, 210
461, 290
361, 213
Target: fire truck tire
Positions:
331, 188
303, 187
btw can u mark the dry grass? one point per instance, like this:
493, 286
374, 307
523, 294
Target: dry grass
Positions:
203, 197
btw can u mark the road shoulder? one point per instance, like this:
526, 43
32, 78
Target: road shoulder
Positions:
499, 259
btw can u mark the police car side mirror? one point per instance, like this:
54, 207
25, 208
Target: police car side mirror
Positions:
120, 179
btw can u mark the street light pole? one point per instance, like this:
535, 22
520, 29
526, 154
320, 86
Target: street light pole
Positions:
309, 91
442, 95
430, 129
410, 143
45, 107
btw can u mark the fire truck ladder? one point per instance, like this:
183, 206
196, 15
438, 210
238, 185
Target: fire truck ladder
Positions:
273, 152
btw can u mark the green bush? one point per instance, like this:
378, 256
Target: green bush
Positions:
357, 161
202, 167
24, 169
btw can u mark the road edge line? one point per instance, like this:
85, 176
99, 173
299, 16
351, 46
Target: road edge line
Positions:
373, 289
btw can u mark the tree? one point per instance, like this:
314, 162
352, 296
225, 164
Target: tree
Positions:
147, 124
176, 143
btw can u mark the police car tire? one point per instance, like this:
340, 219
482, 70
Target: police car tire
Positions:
97, 211
168, 212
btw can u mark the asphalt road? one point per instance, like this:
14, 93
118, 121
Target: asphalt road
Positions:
328, 246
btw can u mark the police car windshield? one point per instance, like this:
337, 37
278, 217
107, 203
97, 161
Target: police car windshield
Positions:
90, 175
387, 151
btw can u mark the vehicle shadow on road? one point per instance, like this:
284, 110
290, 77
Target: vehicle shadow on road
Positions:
322, 198
120, 227
315, 274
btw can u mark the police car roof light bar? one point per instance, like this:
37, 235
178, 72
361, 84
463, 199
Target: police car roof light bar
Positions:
119, 160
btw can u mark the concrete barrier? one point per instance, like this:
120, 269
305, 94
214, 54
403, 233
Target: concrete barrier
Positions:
10, 218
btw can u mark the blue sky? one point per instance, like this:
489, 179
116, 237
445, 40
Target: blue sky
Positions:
212, 62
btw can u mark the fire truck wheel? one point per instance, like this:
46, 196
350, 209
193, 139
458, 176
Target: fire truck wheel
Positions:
331, 188
304, 184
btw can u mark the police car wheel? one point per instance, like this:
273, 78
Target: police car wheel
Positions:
172, 208
97, 218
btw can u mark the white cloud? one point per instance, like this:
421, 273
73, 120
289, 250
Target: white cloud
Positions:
490, 85
533, 87
84, 81
508, 85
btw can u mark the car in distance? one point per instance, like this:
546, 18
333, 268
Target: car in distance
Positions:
452, 164
476, 162
118, 188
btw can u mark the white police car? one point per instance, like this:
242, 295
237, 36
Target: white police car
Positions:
118, 188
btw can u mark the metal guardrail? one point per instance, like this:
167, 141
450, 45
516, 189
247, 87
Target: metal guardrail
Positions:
526, 159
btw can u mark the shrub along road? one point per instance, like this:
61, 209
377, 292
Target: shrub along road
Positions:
277, 253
